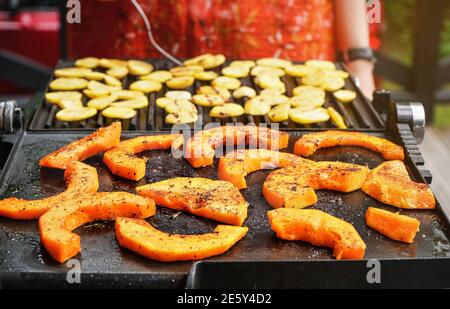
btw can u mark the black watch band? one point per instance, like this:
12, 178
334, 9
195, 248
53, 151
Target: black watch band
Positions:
358, 54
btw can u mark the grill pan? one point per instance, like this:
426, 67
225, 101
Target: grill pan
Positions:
257, 258
358, 114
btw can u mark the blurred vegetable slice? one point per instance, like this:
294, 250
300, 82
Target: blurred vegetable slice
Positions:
229, 83
316, 115
181, 117
128, 94
88, 62
243, 63
345, 96
110, 63
68, 84
332, 84
182, 82
298, 70
72, 72
273, 62
244, 91
226, 110
93, 75
102, 102
208, 100
92, 94
56, 97
136, 103
236, 71
337, 118
179, 95
256, 107
279, 113
146, 86
97, 86
70, 103
176, 106
160, 76
113, 112
223, 92
205, 75
138, 67
186, 71
76, 114
321, 64
112, 81
259, 71
118, 72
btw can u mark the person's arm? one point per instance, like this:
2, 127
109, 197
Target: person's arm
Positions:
352, 31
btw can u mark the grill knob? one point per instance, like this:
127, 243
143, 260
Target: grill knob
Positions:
9, 116
413, 114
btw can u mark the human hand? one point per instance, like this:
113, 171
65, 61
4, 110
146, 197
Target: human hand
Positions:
363, 71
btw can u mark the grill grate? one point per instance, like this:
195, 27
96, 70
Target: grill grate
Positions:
358, 114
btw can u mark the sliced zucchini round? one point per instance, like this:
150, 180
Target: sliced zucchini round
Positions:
72, 72
226, 110
236, 71
112, 81
229, 83
97, 86
244, 92
118, 72
182, 82
76, 114
273, 62
95, 75
181, 117
160, 76
70, 103
297, 70
256, 107
208, 100
138, 67
111, 63
205, 75
198, 59
186, 71
279, 113
88, 62
345, 96
332, 84
321, 64
223, 92
177, 106
92, 94
56, 97
336, 118
128, 94
146, 86
311, 116
260, 70
137, 103
102, 102
68, 84
179, 95
114, 112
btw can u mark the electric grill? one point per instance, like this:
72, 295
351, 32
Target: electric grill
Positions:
260, 259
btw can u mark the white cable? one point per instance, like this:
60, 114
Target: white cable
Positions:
150, 35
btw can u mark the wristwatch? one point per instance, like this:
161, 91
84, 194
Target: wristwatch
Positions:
352, 54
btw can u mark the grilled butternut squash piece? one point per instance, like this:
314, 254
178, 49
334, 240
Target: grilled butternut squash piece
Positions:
319, 229
56, 225
122, 161
239, 163
101, 140
309, 143
142, 238
294, 186
393, 225
389, 183
213, 199
81, 178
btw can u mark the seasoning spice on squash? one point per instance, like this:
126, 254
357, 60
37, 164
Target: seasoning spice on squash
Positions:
81, 178
56, 225
319, 229
390, 183
144, 239
79, 150
309, 143
239, 163
294, 186
393, 225
121, 160
200, 149
214, 199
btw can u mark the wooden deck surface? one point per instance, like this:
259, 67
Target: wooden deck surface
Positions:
436, 150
